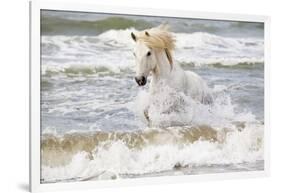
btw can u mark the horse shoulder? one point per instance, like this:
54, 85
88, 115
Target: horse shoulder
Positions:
195, 85
192, 80
192, 75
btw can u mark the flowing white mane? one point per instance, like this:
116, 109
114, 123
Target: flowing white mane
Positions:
159, 37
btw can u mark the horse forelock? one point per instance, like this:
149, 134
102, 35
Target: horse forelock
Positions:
159, 38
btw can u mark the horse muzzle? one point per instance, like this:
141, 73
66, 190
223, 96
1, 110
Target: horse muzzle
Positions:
141, 80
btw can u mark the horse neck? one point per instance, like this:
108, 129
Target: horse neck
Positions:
163, 67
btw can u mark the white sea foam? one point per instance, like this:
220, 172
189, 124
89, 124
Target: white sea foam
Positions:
113, 157
203, 49
168, 107
117, 158
112, 51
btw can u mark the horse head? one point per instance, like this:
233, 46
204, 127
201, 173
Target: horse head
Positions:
149, 43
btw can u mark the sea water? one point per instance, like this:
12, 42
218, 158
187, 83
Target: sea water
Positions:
92, 122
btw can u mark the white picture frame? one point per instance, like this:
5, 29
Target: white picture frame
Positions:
35, 8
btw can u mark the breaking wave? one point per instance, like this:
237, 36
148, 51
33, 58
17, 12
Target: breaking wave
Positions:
87, 86
221, 134
152, 150
87, 55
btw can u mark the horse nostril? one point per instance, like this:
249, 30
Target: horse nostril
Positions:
141, 80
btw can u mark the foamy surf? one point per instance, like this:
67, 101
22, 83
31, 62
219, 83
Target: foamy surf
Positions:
93, 125
216, 135
75, 54
152, 150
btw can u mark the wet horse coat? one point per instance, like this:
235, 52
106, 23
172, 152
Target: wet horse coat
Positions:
153, 55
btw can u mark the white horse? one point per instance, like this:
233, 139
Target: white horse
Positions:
153, 55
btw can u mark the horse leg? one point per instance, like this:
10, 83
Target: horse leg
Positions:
208, 99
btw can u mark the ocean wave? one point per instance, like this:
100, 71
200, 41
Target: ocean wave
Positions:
221, 134
89, 155
55, 25
81, 23
112, 51
208, 49
74, 142
229, 63
93, 124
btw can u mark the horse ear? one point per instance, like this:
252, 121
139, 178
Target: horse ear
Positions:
146, 33
133, 36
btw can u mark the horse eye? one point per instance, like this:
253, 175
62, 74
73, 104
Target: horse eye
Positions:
148, 53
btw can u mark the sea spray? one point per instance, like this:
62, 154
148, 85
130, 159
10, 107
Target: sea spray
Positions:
92, 111
110, 155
